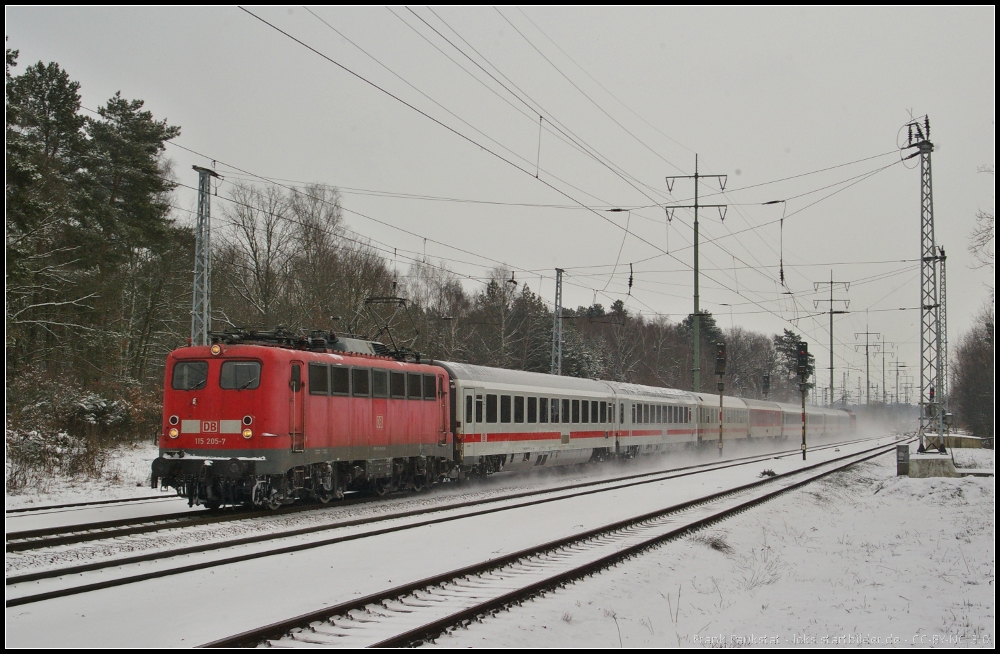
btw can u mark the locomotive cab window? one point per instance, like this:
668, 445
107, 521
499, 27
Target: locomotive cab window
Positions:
240, 375
189, 375
319, 379
380, 383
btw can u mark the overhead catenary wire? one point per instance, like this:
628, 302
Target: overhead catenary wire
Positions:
447, 127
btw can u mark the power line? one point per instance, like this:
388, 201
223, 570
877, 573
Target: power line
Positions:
470, 140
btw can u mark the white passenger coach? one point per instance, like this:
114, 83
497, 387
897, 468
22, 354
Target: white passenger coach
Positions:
510, 419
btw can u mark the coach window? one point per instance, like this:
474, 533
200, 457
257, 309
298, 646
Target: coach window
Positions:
360, 383
543, 409
505, 408
565, 410
340, 380
621, 412
414, 384
532, 409
659, 413
584, 411
479, 409
604, 412
518, 408
555, 409
576, 411
491, 408
240, 375
189, 375
380, 383
397, 384
468, 409
646, 410
319, 379
430, 387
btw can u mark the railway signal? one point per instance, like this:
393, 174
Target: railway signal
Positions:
802, 349
720, 359
720, 370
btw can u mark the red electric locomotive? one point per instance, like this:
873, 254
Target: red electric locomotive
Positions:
266, 419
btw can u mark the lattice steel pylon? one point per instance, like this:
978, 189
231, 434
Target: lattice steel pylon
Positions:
932, 427
945, 381
201, 302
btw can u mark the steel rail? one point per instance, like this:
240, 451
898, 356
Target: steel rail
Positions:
432, 629
83, 588
35, 539
72, 505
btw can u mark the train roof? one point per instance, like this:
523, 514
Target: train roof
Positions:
652, 391
470, 373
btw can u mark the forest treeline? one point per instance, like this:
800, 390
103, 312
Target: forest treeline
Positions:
99, 283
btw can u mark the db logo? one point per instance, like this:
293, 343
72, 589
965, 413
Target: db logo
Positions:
210, 426
378, 422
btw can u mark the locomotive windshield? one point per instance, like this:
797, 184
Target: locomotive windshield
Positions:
240, 375
189, 375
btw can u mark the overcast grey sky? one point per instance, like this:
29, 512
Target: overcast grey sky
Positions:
628, 96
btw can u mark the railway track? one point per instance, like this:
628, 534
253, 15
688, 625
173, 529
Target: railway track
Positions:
420, 611
114, 572
28, 540
75, 505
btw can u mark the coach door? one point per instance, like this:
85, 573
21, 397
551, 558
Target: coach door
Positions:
296, 408
472, 407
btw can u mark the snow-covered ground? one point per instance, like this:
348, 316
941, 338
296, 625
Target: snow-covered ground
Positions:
860, 558
126, 474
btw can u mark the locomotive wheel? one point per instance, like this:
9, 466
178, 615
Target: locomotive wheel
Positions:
418, 483
273, 502
324, 496
381, 487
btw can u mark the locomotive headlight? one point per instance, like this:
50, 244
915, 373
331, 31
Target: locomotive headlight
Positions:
216, 350
173, 433
248, 434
